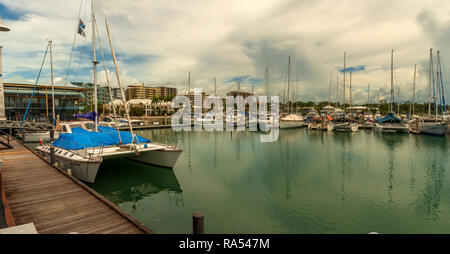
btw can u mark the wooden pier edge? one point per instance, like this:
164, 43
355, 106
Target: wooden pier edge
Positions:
9, 218
108, 203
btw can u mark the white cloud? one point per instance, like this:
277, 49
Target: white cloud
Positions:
160, 41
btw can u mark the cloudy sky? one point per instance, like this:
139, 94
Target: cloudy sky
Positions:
160, 41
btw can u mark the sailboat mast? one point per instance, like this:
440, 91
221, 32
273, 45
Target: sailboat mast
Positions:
215, 87
368, 98
266, 79
414, 90
441, 86
351, 95
337, 90
94, 62
343, 94
189, 83
379, 101
289, 85
119, 82
296, 94
52, 82
392, 80
437, 88
109, 84
329, 90
429, 82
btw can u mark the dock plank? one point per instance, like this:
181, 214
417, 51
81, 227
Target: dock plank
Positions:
55, 202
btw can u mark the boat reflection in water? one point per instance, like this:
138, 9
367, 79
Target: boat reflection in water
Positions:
123, 180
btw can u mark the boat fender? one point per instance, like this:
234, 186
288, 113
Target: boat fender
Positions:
145, 146
40, 141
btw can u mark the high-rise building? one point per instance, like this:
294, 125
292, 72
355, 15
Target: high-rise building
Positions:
145, 92
116, 93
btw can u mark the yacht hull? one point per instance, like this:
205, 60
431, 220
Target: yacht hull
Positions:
342, 127
291, 124
436, 129
391, 128
368, 125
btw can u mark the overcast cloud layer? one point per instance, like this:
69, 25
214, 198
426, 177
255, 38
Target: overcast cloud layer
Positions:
159, 41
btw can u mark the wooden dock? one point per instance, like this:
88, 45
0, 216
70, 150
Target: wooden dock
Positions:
56, 202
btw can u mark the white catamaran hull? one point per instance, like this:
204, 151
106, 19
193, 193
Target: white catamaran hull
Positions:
164, 158
82, 168
86, 172
84, 164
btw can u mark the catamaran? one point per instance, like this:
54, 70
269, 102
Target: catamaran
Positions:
82, 150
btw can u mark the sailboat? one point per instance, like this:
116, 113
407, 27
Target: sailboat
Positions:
342, 123
268, 121
433, 125
290, 120
36, 136
82, 151
391, 123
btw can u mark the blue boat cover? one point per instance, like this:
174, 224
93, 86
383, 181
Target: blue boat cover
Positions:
106, 136
390, 118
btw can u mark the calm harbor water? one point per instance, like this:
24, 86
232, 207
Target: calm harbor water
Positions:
306, 182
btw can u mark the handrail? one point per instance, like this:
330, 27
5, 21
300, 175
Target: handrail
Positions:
7, 136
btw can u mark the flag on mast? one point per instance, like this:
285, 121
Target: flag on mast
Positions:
81, 27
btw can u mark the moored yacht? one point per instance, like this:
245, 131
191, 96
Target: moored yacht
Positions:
291, 121
83, 151
431, 126
391, 124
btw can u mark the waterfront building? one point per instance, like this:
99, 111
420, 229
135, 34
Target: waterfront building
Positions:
147, 92
116, 93
102, 93
68, 101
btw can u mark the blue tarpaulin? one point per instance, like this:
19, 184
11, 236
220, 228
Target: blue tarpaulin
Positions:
391, 118
90, 115
106, 136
